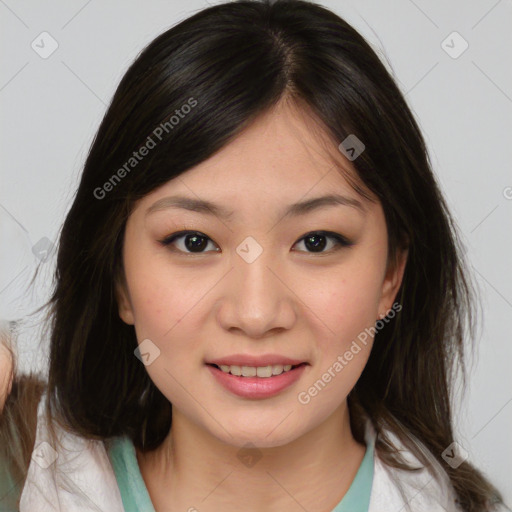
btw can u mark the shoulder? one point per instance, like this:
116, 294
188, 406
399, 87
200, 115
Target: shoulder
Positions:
408, 491
411, 491
68, 472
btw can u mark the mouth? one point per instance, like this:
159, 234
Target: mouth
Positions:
256, 382
264, 372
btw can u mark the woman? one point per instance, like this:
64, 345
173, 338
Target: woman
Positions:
260, 295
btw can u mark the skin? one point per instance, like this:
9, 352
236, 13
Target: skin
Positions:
290, 301
6, 364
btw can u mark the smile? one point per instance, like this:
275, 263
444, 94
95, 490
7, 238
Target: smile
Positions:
256, 371
256, 382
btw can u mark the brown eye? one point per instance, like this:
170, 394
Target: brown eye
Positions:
317, 241
188, 242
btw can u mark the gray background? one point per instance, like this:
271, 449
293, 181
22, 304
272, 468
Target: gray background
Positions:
51, 108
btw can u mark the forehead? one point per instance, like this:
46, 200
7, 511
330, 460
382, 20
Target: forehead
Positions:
284, 157
284, 142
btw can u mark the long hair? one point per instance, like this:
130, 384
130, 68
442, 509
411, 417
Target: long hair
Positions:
189, 93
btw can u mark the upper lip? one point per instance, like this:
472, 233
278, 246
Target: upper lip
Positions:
248, 360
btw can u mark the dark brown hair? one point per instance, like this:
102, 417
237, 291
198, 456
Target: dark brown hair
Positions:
235, 61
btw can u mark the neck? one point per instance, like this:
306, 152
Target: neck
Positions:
191, 467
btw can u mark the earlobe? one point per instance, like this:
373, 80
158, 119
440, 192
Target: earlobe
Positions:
392, 281
124, 304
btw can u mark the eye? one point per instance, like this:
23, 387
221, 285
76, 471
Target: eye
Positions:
318, 240
188, 241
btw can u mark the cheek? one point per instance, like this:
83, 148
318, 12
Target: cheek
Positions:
159, 297
344, 302
345, 310
166, 305
161, 307
165, 312
343, 307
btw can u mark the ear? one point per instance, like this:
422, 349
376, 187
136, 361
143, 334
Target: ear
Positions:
392, 281
123, 301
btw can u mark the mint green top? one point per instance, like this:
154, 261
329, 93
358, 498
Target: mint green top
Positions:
136, 498
10, 491
357, 498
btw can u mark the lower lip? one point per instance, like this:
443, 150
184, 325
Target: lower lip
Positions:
257, 387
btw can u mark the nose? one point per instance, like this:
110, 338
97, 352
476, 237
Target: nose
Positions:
257, 301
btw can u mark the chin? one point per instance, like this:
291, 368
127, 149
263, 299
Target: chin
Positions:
263, 436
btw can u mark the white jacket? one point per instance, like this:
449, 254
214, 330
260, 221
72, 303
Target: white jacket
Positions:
81, 479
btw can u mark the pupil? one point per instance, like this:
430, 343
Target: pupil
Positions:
317, 246
197, 243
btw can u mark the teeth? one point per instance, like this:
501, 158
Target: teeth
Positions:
253, 371
249, 371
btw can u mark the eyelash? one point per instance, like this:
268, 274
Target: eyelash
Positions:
340, 241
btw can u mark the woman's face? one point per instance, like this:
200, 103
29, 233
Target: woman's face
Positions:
252, 284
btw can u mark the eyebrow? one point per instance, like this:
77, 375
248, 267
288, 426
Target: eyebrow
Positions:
293, 210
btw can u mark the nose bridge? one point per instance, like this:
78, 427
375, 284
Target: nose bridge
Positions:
259, 301
256, 283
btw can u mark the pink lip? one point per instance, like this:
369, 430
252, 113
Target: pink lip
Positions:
247, 360
257, 387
